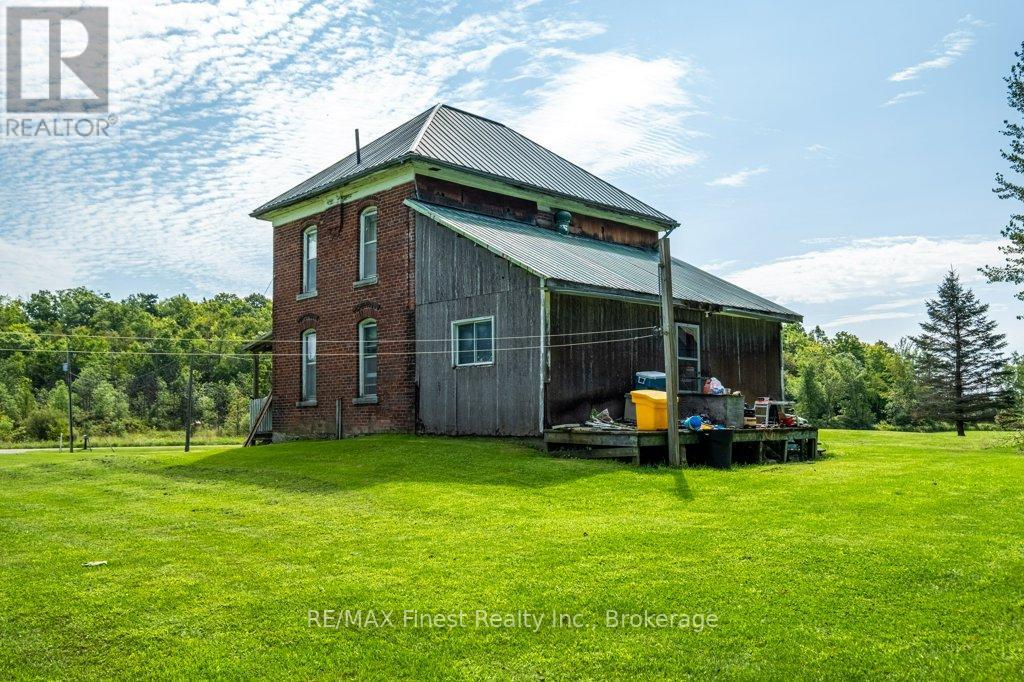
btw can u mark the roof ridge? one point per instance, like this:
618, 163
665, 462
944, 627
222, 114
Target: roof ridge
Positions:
472, 115
423, 128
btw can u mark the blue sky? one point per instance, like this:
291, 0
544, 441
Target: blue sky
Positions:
837, 158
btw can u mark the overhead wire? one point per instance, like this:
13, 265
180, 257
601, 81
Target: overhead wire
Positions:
496, 348
325, 341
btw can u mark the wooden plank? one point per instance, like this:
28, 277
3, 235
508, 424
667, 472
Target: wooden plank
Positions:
609, 453
606, 439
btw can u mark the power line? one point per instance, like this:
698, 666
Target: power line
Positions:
328, 354
326, 341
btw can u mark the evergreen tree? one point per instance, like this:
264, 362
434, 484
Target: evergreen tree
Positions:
961, 363
1013, 269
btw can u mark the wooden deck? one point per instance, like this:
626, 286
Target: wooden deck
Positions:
596, 443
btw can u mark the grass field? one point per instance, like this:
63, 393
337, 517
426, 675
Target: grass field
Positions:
901, 555
143, 438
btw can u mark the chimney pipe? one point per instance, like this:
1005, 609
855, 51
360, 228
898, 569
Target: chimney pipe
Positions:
359, 154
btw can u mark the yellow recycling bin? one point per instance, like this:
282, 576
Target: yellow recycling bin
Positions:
651, 410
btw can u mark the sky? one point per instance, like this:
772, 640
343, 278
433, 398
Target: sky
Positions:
837, 158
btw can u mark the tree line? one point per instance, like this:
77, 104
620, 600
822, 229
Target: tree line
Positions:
129, 362
952, 375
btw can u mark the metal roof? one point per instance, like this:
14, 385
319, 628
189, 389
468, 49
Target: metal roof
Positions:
594, 263
464, 141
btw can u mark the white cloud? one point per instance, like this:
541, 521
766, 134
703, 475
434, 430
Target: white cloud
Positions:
817, 150
718, 266
901, 97
223, 105
737, 179
846, 320
954, 45
896, 304
971, 20
29, 267
866, 268
640, 127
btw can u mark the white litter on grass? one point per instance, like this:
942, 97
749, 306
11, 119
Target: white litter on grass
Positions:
90, 564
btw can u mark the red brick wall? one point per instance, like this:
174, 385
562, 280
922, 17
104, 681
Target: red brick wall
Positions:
482, 201
335, 313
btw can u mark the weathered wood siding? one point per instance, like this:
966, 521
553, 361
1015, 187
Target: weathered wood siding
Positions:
455, 280
742, 352
596, 375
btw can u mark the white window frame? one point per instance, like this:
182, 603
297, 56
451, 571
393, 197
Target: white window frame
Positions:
695, 330
455, 341
306, 288
362, 358
371, 210
306, 366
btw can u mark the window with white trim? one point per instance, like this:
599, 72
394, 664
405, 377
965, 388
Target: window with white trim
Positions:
368, 358
309, 260
309, 365
368, 244
688, 352
473, 342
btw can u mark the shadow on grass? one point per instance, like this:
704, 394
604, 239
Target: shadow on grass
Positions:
324, 467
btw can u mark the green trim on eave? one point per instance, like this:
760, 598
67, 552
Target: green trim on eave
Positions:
405, 171
370, 184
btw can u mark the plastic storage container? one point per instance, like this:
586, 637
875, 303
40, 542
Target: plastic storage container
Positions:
651, 410
649, 381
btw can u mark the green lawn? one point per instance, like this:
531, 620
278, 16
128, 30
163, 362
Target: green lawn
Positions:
900, 555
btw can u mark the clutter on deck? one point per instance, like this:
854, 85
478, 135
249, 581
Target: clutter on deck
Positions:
716, 427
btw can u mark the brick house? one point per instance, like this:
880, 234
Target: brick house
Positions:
453, 276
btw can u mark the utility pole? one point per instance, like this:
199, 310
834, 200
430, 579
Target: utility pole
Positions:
668, 330
188, 405
71, 415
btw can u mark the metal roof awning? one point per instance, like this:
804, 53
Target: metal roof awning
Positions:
263, 344
577, 264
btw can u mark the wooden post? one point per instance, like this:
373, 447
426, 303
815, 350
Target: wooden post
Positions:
668, 330
188, 405
71, 414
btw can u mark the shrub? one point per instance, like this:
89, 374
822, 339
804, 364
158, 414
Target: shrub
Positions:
44, 424
6, 429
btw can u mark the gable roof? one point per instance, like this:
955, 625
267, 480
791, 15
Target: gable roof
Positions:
597, 265
456, 139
